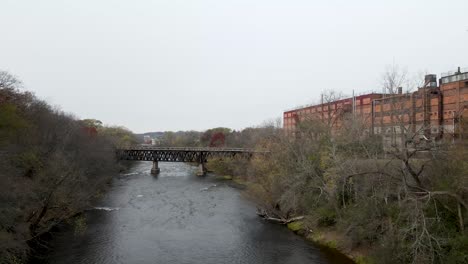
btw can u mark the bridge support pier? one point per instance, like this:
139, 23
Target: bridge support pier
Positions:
155, 170
201, 169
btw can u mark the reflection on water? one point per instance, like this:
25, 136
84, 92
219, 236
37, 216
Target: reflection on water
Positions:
178, 217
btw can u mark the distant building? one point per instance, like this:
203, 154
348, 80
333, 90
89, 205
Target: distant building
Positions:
147, 139
155, 141
433, 112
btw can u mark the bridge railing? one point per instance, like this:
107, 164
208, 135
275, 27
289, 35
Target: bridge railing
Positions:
204, 149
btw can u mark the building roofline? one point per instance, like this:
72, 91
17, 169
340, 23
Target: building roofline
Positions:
300, 107
452, 73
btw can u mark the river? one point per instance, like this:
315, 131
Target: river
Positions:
178, 217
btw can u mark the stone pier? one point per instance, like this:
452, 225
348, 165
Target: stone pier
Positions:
201, 169
155, 170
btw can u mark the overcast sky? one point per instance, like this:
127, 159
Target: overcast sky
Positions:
155, 65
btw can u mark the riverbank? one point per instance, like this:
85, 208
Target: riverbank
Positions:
40, 247
329, 240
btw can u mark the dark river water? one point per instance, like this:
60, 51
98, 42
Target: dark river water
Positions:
178, 217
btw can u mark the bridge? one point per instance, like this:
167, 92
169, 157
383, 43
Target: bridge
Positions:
173, 154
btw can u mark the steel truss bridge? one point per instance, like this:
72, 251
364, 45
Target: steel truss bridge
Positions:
170, 154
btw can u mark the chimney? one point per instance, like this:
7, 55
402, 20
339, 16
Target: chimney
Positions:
400, 90
459, 70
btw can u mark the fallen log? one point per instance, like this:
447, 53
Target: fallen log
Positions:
264, 214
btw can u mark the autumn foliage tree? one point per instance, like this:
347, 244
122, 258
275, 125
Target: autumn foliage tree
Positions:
217, 140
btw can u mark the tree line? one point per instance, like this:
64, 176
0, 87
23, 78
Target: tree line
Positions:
215, 137
51, 166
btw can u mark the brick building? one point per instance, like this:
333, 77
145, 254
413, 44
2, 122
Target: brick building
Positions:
332, 112
454, 87
416, 113
433, 112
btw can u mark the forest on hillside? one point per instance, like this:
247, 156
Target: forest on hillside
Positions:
51, 166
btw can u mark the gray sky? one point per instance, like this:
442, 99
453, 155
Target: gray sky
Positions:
178, 65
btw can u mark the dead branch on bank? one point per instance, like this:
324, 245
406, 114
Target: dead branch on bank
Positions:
264, 214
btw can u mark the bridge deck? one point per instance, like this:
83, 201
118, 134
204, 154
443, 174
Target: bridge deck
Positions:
184, 154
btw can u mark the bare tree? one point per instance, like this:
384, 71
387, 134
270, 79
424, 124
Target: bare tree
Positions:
8, 81
393, 78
